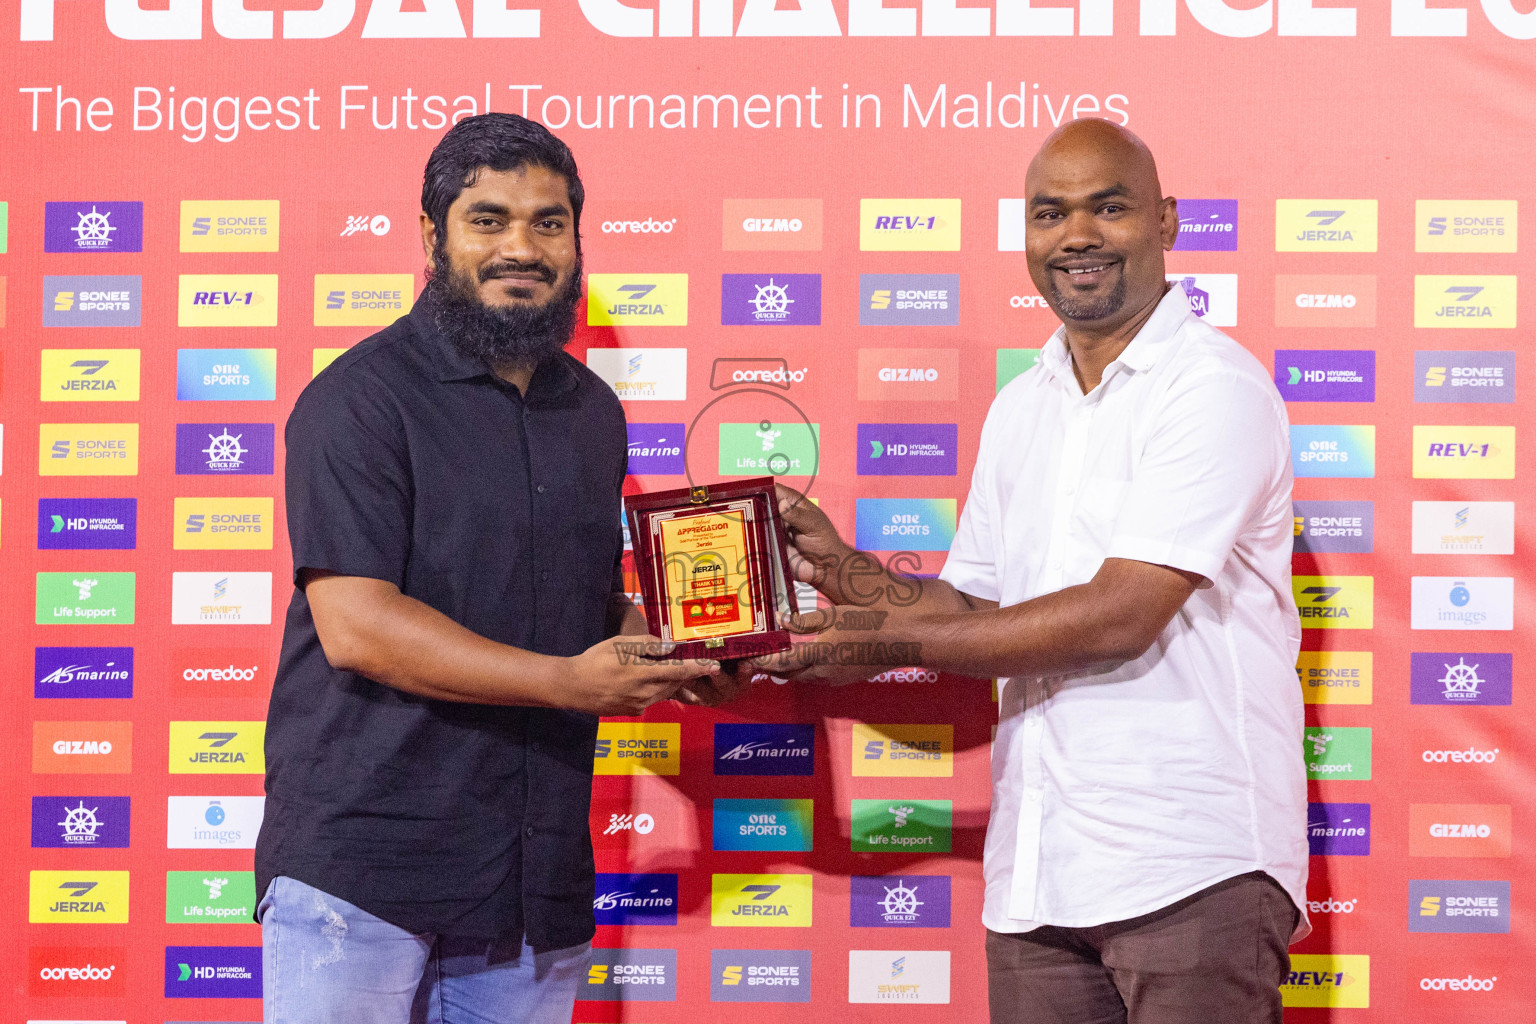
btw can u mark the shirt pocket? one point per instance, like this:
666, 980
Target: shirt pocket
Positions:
1099, 504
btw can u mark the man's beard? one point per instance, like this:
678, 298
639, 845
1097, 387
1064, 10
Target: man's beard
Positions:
496, 335
1072, 308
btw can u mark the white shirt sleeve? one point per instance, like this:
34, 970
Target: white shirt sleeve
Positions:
971, 567
1217, 452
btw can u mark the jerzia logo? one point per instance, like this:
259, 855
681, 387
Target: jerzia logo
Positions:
1459, 301
774, 901
1335, 602
226, 748
1325, 225
637, 300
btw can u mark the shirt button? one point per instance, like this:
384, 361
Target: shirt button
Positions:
544, 575
541, 488
528, 831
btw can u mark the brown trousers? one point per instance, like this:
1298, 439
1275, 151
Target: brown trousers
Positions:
1219, 955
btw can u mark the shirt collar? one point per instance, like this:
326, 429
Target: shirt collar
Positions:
552, 378
1144, 349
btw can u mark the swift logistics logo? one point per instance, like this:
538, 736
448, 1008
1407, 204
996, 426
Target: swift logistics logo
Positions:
1207, 225
1328, 980
226, 374
82, 748
213, 972
1459, 830
760, 976
87, 524
93, 227
908, 449
635, 899
905, 751
1334, 527
226, 300
1463, 453
85, 598
81, 822
1460, 300
909, 374
221, 598
1212, 297
218, 748
362, 300
221, 524
750, 748
1466, 225
656, 448
902, 826
765, 447
209, 897
1326, 375
760, 901
1338, 830
1337, 752
1458, 907
908, 901
1466, 679
229, 225
88, 449
1336, 677
78, 897
92, 673
1463, 527
637, 300
97, 300
762, 824
905, 524
224, 449
1460, 376
642, 374
1325, 300
771, 225
909, 225
89, 375
1338, 451
213, 822
898, 976
1325, 225
76, 971
1335, 602
909, 300
631, 975
1462, 602
772, 299
638, 748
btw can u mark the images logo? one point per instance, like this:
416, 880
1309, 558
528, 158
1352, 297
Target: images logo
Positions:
85, 672
1325, 300
760, 901
226, 300
1480, 679
1334, 527
642, 374
762, 825
909, 374
773, 299
908, 449
213, 822
81, 822
760, 976
781, 449
218, 748
778, 225
631, 975
898, 976
88, 449
637, 300
1335, 677
910, 751
93, 227
911, 901
1335, 602
656, 448
222, 449
1208, 225
1212, 297
638, 748
88, 598
1463, 453
226, 374
1333, 451
905, 524
1463, 527
75, 971
1339, 830
95, 524
636, 899
1441, 300
889, 826
909, 300
82, 748
209, 897
1441, 376
1458, 907
1328, 979
1325, 225
213, 972
229, 225
90, 375
1013, 361
1465, 602
78, 897
94, 301
1326, 375
1336, 752
1458, 830
217, 524
909, 225
363, 300
221, 598
1466, 225
746, 748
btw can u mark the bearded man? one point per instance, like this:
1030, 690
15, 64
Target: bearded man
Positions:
456, 626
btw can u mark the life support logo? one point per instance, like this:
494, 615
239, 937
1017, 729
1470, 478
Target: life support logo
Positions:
209, 897
89, 375
902, 826
85, 598
909, 751
760, 901
909, 225
1466, 225
1464, 301
362, 300
1327, 980
229, 225
1337, 752
638, 748
226, 300
1325, 225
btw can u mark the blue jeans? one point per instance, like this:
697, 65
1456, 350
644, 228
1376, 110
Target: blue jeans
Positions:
324, 961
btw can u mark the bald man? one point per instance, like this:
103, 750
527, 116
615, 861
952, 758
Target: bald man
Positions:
1123, 567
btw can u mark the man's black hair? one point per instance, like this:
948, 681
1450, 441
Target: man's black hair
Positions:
502, 142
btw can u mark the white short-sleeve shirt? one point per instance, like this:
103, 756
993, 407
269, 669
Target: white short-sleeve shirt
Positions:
1121, 791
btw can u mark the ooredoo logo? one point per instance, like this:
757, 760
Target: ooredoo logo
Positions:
219, 672
635, 227
1467, 984
76, 971
1332, 906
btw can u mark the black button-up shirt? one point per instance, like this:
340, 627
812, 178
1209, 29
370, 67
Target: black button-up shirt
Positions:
411, 463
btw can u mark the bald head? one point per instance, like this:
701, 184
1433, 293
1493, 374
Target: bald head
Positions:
1094, 139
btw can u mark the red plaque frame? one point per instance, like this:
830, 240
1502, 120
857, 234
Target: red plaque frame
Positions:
765, 586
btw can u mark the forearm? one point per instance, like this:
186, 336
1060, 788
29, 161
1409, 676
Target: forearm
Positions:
858, 578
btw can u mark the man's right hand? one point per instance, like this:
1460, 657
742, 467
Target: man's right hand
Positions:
623, 675
817, 555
